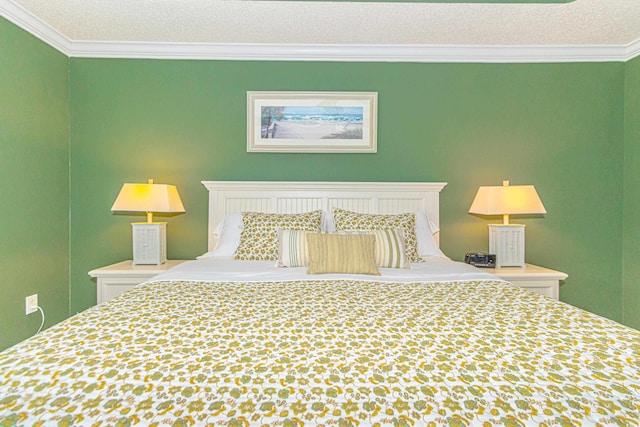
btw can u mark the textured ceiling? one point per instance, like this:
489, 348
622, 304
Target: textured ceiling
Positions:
582, 22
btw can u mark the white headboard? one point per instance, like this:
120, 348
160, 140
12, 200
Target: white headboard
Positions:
227, 197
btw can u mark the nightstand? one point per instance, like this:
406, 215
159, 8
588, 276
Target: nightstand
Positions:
120, 277
541, 280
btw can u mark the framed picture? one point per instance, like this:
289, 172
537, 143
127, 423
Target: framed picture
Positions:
312, 122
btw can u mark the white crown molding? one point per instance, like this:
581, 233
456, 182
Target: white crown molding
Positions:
35, 26
356, 53
316, 52
633, 50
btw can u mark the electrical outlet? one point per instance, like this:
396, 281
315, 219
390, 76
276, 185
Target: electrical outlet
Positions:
31, 303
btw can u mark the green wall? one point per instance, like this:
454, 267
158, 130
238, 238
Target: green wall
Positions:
631, 263
558, 126
34, 171
571, 129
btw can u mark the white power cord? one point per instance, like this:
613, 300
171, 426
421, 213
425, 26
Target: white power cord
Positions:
41, 324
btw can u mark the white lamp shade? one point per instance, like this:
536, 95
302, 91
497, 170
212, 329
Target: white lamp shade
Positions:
506, 241
500, 200
149, 239
148, 198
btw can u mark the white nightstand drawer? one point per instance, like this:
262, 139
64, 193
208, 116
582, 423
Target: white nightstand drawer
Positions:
112, 287
549, 288
118, 278
537, 279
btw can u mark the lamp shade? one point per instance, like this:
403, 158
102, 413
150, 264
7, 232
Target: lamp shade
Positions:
507, 200
148, 198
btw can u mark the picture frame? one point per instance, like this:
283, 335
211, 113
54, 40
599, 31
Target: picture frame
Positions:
312, 122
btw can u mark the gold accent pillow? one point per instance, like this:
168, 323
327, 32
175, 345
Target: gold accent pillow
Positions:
353, 221
293, 250
259, 236
342, 253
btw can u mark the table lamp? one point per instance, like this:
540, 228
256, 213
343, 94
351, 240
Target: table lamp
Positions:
506, 240
149, 238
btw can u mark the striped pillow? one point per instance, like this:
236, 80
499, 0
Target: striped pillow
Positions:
353, 221
293, 250
342, 253
390, 252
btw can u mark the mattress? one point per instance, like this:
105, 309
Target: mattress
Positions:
212, 344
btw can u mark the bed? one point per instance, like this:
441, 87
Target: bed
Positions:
221, 341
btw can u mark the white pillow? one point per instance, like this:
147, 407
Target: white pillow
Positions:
228, 231
425, 229
230, 228
327, 225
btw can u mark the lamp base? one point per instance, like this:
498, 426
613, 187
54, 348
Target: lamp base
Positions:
506, 241
149, 243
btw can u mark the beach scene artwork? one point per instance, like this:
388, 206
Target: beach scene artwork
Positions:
312, 122
300, 122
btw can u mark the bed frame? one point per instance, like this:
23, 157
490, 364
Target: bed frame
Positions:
227, 197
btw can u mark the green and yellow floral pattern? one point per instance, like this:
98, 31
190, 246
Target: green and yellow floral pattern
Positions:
321, 353
259, 236
354, 221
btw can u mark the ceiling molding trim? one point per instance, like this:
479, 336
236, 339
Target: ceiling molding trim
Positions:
633, 50
355, 53
35, 26
315, 52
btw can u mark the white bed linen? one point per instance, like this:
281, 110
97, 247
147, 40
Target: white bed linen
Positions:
435, 269
312, 352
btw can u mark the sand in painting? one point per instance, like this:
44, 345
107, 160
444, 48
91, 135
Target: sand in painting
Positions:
316, 130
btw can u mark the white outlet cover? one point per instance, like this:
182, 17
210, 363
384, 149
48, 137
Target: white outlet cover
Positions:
31, 303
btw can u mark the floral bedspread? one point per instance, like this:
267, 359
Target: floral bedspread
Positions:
339, 353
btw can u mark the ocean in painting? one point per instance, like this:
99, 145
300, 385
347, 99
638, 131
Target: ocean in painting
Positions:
327, 114
312, 122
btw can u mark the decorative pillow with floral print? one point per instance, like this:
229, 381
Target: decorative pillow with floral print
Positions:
353, 221
259, 236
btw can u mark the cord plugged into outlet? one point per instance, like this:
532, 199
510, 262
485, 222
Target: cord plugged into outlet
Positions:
31, 306
31, 303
